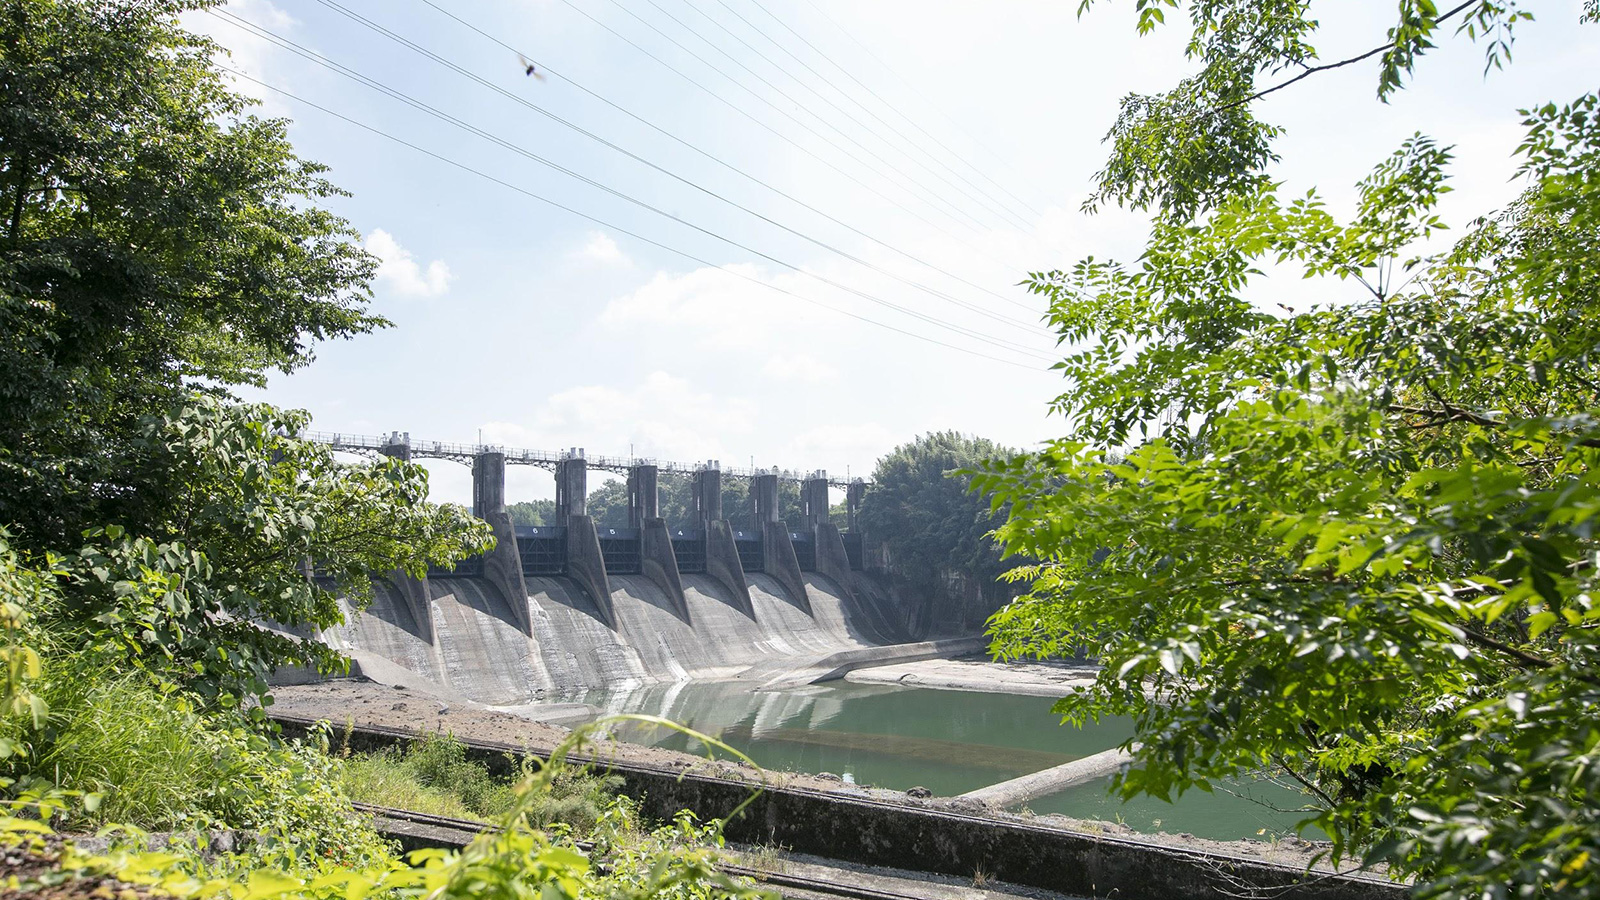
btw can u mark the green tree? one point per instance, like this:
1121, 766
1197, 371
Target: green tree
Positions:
155, 238
608, 504
533, 512
1355, 544
158, 245
921, 507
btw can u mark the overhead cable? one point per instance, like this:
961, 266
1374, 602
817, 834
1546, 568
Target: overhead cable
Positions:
948, 209
620, 230
504, 143
913, 88
780, 135
887, 105
1032, 327
718, 160
992, 206
923, 190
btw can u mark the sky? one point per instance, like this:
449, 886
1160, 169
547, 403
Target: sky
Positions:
785, 233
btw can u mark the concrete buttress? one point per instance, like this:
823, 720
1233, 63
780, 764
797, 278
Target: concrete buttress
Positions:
722, 554
585, 563
831, 559
503, 565
657, 560
413, 590
777, 549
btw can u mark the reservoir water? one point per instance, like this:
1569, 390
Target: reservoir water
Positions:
947, 741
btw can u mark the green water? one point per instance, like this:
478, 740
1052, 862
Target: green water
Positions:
1256, 808
949, 742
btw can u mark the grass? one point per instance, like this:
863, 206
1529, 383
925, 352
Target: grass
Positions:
434, 776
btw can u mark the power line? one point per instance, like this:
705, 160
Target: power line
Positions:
997, 209
1033, 327
913, 88
891, 107
637, 236
924, 195
787, 96
393, 93
743, 112
719, 161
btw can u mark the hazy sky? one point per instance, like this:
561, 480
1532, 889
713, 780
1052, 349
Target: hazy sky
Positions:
945, 146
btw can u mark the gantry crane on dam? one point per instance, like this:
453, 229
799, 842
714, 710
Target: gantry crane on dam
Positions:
577, 548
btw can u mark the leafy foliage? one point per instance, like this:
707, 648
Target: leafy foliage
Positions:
154, 238
434, 775
608, 503
239, 509
1354, 542
920, 507
1184, 151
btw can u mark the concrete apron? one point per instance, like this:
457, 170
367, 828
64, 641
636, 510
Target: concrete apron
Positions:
793, 673
922, 836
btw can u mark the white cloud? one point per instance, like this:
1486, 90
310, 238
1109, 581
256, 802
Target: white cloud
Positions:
799, 367
601, 250
401, 273
718, 306
246, 50
662, 417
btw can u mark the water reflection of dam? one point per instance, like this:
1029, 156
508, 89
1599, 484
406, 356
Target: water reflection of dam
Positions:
555, 611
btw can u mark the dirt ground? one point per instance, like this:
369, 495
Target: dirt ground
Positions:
362, 702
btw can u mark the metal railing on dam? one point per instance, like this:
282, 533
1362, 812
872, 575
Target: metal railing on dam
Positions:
401, 444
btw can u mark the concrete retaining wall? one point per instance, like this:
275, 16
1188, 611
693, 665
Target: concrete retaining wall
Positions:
587, 565
929, 839
659, 564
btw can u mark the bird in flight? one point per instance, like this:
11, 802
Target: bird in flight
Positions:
530, 67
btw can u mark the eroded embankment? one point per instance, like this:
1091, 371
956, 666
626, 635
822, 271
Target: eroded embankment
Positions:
472, 643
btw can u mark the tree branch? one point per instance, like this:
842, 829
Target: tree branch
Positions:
1528, 660
1321, 795
1312, 70
1449, 414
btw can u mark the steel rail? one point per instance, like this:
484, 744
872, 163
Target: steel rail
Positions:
469, 829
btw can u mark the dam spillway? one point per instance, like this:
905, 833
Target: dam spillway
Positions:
478, 649
556, 611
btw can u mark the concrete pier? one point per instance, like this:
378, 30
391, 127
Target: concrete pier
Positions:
656, 559
414, 591
832, 561
814, 499
585, 563
1049, 781
853, 495
778, 559
644, 499
503, 564
722, 555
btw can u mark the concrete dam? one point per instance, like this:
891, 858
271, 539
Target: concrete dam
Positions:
555, 611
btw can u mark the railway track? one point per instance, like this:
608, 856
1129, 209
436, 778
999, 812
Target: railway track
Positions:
415, 830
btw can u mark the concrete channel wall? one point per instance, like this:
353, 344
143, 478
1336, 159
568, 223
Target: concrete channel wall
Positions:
925, 838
